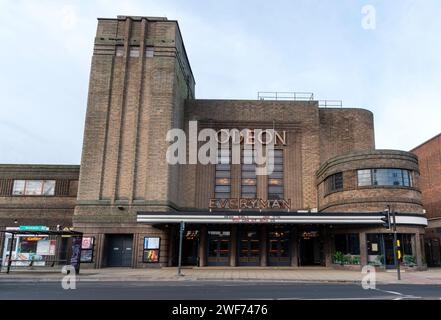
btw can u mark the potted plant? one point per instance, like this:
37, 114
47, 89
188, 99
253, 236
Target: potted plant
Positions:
338, 257
410, 261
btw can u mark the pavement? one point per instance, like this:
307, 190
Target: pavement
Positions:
257, 274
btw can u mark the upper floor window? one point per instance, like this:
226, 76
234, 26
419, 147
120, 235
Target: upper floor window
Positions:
334, 182
33, 188
385, 177
248, 176
222, 187
119, 51
275, 179
149, 52
134, 51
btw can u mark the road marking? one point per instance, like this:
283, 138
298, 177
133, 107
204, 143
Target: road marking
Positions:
401, 295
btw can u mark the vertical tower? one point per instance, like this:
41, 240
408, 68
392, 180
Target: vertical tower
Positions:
140, 78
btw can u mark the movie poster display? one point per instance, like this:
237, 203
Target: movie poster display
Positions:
87, 247
151, 249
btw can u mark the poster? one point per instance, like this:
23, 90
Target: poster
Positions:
87, 243
151, 243
151, 249
86, 255
87, 249
43, 247
52, 246
152, 256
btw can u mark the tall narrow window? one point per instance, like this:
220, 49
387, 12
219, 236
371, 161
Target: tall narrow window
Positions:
248, 176
334, 182
275, 179
134, 51
119, 51
149, 52
223, 175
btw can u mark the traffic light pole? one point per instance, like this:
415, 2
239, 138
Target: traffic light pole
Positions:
396, 260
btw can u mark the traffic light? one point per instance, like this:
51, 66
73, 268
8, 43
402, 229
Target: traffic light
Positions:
386, 219
398, 250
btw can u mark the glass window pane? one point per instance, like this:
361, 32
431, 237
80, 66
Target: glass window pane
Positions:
249, 174
33, 187
134, 52
276, 175
223, 181
49, 187
222, 174
275, 189
275, 182
364, 177
119, 51
18, 188
248, 167
149, 52
222, 189
249, 182
222, 195
248, 189
223, 167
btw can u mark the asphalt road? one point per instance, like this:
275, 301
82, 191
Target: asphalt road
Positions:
225, 290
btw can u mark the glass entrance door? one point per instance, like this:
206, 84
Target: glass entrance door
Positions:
218, 248
279, 247
310, 246
190, 245
249, 247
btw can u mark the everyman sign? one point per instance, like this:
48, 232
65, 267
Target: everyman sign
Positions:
246, 203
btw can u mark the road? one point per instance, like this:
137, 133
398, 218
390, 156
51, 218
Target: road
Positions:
225, 290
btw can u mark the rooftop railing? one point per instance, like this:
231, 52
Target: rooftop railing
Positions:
288, 96
330, 104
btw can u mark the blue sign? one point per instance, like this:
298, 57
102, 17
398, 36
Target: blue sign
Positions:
33, 228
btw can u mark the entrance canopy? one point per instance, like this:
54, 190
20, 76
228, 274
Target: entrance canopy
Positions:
372, 218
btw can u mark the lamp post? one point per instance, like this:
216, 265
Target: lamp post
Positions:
181, 234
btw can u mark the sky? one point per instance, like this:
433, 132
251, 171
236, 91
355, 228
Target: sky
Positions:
384, 56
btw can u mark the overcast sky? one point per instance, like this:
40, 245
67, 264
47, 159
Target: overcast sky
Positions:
236, 48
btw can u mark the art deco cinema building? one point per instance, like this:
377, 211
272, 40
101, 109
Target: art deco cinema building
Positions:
322, 205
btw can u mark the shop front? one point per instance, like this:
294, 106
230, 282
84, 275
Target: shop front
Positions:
286, 240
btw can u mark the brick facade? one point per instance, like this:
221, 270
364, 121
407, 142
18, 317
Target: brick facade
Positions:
141, 86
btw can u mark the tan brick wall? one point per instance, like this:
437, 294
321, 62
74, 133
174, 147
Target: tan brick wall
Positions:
369, 198
133, 102
38, 210
429, 155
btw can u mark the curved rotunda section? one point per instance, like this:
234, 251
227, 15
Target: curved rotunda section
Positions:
369, 181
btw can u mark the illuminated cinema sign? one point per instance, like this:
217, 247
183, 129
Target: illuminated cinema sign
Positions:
247, 203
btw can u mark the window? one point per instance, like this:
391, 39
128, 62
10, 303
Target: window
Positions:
334, 182
406, 243
149, 52
347, 243
119, 51
275, 179
222, 189
248, 179
134, 52
364, 178
384, 177
33, 188
374, 243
